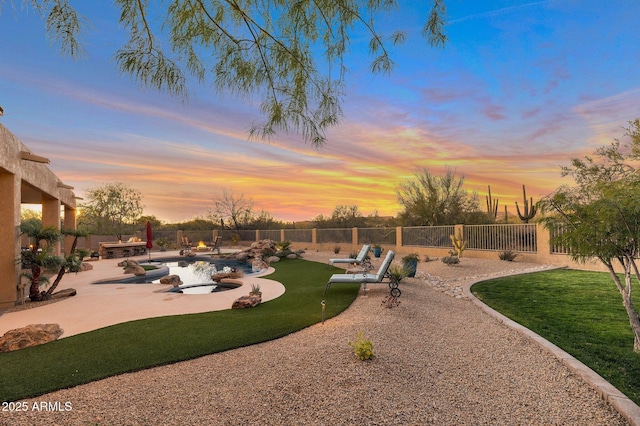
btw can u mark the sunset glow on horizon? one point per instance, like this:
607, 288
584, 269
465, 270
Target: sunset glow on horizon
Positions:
520, 89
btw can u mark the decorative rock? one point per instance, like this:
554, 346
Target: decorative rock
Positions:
231, 281
171, 279
248, 301
258, 265
220, 275
243, 255
31, 335
273, 259
292, 256
127, 262
67, 292
84, 266
136, 270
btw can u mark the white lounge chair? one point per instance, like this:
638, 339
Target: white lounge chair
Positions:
360, 259
365, 278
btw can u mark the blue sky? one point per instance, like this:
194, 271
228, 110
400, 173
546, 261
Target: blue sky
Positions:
520, 89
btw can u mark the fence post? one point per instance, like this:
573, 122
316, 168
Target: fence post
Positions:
543, 244
282, 235
257, 235
179, 236
354, 237
398, 237
314, 236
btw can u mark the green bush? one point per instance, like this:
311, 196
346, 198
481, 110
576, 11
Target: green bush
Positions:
362, 348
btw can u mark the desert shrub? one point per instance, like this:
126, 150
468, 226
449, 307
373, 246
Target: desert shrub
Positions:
450, 260
507, 255
362, 348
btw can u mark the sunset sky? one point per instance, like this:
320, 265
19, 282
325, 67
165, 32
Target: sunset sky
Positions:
520, 89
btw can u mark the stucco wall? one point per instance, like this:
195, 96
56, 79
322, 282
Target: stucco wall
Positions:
18, 176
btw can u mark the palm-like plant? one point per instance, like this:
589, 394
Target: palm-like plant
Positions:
72, 262
39, 257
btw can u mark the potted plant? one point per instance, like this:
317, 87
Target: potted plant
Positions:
410, 263
377, 250
255, 290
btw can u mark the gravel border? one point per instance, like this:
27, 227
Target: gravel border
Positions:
440, 359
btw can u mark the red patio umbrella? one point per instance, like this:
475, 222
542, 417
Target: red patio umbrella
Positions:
149, 239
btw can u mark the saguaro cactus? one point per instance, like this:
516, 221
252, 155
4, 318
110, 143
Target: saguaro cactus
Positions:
529, 208
492, 205
458, 243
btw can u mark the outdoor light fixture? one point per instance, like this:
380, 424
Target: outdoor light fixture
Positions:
323, 305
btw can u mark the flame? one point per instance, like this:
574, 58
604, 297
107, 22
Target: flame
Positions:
201, 244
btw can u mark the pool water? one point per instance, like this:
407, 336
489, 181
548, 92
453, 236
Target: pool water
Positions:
200, 271
195, 273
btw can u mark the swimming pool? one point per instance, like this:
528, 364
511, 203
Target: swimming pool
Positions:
195, 273
199, 269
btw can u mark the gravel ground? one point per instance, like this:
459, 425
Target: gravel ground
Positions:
438, 360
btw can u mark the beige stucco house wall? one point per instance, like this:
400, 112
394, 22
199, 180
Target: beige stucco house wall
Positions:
25, 178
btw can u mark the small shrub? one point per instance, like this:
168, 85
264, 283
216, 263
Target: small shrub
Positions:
284, 246
235, 239
390, 302
507, 255
336, 249
411, 257
283, 249
450, 260
398, 272
255, 288
362, 348
163, 242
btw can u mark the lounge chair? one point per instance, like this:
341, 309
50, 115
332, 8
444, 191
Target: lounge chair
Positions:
186, 246
365, 278
360, 259
215, 245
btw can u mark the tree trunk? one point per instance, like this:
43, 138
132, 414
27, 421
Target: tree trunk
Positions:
34, 290
62, 270
625, 290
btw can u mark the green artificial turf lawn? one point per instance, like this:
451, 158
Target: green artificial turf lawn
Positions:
579, 311
137, 345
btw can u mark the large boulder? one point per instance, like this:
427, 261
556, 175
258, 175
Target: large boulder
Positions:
258, 265
221, 275
171, 279
248, 301
31, 335
136, 270
127, 262
273, 259
84, 266
243, 255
